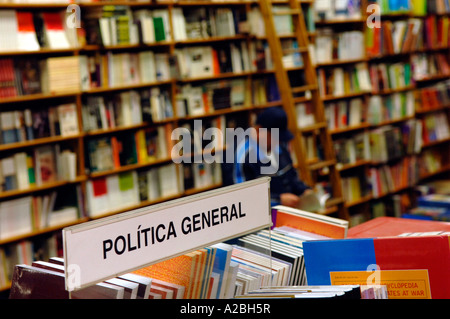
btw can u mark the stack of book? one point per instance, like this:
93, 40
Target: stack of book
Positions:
32, 76
391, 107
391, 178
144, 146
433, 97
201, 99
118, 191
345, 113
31, 31
435, 127
208, 61
44, 165
33, 213
20, 126
391, 76
426, 65
343, 81
394, 37
330, 46
126, 69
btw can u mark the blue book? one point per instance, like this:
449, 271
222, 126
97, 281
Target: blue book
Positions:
434, 200
221, 264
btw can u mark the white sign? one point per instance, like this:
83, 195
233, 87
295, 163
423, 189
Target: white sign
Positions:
104, 248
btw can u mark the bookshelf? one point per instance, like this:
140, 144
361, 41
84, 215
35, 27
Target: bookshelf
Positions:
402, 58
95, 95
250, 86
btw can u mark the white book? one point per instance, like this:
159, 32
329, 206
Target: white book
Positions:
245, 57
363, 77
105, 31
128, 189
147, 26
126, 110
162, 151
68, 161
256, 22
20, 162
9, 30
179, 24
136, 110
338, 74
114, 197
68, 119
355, 112
97, 204
26, 39
235, 58
153, 184
62, 216
15, 217
54, 31
168, 180
200, 61
162, 66
155, 104
147, 66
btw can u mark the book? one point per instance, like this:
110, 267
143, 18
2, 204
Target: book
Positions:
45, 165
311, 222
404, 264
54, 30
161, 25
15, 217
26, 33
68, 119
100, 154
391, 226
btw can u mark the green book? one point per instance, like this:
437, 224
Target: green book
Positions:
160, 33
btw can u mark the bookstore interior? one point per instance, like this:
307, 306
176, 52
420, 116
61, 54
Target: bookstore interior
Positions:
113, 177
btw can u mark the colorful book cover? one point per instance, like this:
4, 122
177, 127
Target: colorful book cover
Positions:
310, 222
410, 267
220, 266
45, 165
179, 270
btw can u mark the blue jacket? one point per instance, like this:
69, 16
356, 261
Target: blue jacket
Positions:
285, 180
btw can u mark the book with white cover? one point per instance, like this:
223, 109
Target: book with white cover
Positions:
98, 202
15, 217
54, 30
20, 162
147, 66
68, 119
147, 26
179, 24
8, 33
168, 180
26, 33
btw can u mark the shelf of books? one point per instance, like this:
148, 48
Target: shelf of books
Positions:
383, 71
91, 94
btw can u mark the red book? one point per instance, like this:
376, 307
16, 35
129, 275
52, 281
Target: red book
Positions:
391, 226
53, 21
410, 267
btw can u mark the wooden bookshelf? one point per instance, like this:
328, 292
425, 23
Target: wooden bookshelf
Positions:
359, 23
79, 142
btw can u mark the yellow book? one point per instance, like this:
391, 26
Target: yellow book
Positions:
141, 147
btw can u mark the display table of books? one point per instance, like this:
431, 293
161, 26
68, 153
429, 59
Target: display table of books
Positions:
229, 243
